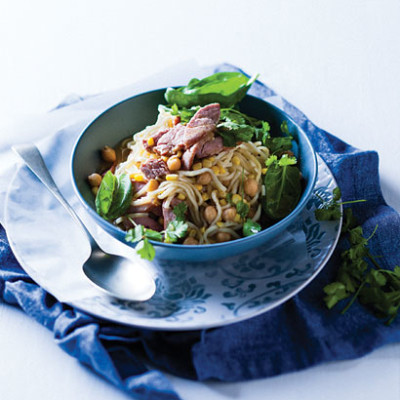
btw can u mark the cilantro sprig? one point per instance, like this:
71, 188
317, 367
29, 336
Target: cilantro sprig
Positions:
176, 229
330, 210
360, 277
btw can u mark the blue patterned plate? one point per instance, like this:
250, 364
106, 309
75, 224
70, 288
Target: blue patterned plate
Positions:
189, 296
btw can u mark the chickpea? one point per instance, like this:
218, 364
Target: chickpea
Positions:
152, 185
210, 214
174, 164
94, 179
229, 214
223, 237
108, 154
191, 241
251, 187
204, 179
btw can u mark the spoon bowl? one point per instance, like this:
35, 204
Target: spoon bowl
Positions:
113, 274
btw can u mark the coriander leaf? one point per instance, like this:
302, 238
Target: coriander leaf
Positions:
229, 198
335, 292
180, 211
136, 234
285, 127
285, 160
376, 278
105, 194
349, 220
271, 160
337, 194
145, 249
153, 235
242, 209
226, 88
185, 114
279, 144
175, 230
328, 214
250, 228
139, 232
233, 133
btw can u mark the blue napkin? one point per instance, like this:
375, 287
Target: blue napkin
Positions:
299, 334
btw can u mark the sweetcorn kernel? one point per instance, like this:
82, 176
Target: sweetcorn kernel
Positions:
171, 177
198, 187
223, 202
221, 194
150, 141
164, 158
171, 123
181, 196
207, 163
215, 169
236, 198
235, 160
137, 177
220, 224
197, 166
205, 196
222, 170
251, 176
264, 171
179, 154
212, 159
203, 229
237, 218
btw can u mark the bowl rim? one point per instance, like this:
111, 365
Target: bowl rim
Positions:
116, 232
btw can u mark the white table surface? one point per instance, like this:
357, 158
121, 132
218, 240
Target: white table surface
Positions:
338, 61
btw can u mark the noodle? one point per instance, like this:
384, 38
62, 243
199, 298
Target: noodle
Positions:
228, 170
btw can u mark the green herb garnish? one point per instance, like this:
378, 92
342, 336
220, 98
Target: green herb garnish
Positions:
330, 210
360, 275
176, 229
250, 228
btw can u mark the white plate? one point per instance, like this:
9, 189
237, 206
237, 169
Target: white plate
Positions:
51, 250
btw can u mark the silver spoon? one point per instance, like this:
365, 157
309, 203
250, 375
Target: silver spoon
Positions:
116, 275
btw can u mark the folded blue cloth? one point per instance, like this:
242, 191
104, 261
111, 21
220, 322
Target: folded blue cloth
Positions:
299, 334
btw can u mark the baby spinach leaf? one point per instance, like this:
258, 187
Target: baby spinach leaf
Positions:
122, 197
114, 195
225, 88
105, 194
283, 188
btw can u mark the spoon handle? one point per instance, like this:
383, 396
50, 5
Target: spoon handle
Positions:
30, 154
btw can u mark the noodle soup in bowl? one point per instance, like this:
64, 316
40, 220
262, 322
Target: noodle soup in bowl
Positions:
115, 129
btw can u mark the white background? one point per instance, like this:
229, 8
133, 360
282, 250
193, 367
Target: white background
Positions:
338, 61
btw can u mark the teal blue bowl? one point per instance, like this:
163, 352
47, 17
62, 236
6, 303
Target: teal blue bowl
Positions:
134, 114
